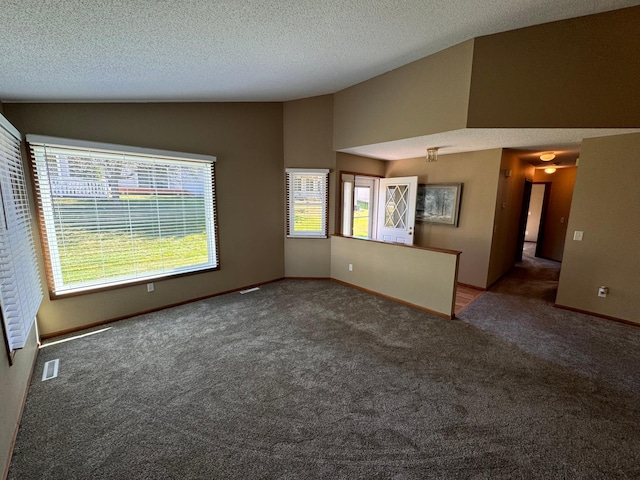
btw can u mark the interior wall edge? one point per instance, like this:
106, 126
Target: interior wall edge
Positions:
393, 299
596, 314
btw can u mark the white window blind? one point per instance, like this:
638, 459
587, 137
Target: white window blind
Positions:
20, 291
307, 202
112, 215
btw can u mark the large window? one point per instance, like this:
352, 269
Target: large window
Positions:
111, 215
20, 292
307, 203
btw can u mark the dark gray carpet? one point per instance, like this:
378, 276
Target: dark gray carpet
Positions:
311, 379
519, 309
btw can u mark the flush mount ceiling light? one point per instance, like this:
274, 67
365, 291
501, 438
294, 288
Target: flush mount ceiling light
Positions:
547, 157
432, 154
550, 170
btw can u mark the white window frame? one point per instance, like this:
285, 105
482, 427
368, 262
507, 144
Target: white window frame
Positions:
297, 192
350, 182
42, 146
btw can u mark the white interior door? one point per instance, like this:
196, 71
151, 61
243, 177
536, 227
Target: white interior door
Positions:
397, 209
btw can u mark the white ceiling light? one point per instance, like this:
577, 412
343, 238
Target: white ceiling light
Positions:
547, 157
550, 170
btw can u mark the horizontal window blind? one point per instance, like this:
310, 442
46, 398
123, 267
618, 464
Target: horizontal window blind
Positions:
307, 202
112, 215
20, 291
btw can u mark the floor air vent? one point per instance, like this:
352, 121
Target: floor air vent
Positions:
50, 369
249, 290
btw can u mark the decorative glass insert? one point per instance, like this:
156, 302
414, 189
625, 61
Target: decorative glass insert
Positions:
396, 206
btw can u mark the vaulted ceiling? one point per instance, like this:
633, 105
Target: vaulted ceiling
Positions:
252, 50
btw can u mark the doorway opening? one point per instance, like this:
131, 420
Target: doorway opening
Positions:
376, 208
535, 227
533, 220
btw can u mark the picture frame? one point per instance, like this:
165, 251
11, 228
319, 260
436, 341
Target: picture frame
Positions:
439, 203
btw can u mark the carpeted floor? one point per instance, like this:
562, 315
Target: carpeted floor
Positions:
519, 309
311, 380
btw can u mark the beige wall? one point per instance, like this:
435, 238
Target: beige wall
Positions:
308, 144
427, 96
580, 72
246, 138
558, 208
346, 162
508, 208
420, 277
479, 172
14, 381
605, 206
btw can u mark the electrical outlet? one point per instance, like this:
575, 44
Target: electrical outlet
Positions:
603, 291
351, 267
150, 287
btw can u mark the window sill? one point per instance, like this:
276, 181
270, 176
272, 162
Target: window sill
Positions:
308, 236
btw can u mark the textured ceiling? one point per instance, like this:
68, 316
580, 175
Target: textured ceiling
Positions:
251, 50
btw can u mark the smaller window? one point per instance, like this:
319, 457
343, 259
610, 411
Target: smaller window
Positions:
307, 202
360, 205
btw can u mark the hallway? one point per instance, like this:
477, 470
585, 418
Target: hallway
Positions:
519, 310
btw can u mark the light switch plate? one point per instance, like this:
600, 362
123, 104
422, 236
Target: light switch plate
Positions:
577, 235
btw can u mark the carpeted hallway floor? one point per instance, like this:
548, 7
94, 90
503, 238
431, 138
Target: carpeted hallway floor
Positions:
519, 309
311, 379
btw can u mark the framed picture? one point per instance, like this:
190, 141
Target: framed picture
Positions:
439, 203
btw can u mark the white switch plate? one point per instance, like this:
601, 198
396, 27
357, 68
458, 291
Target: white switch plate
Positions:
351, 267
577, 235
150, 287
